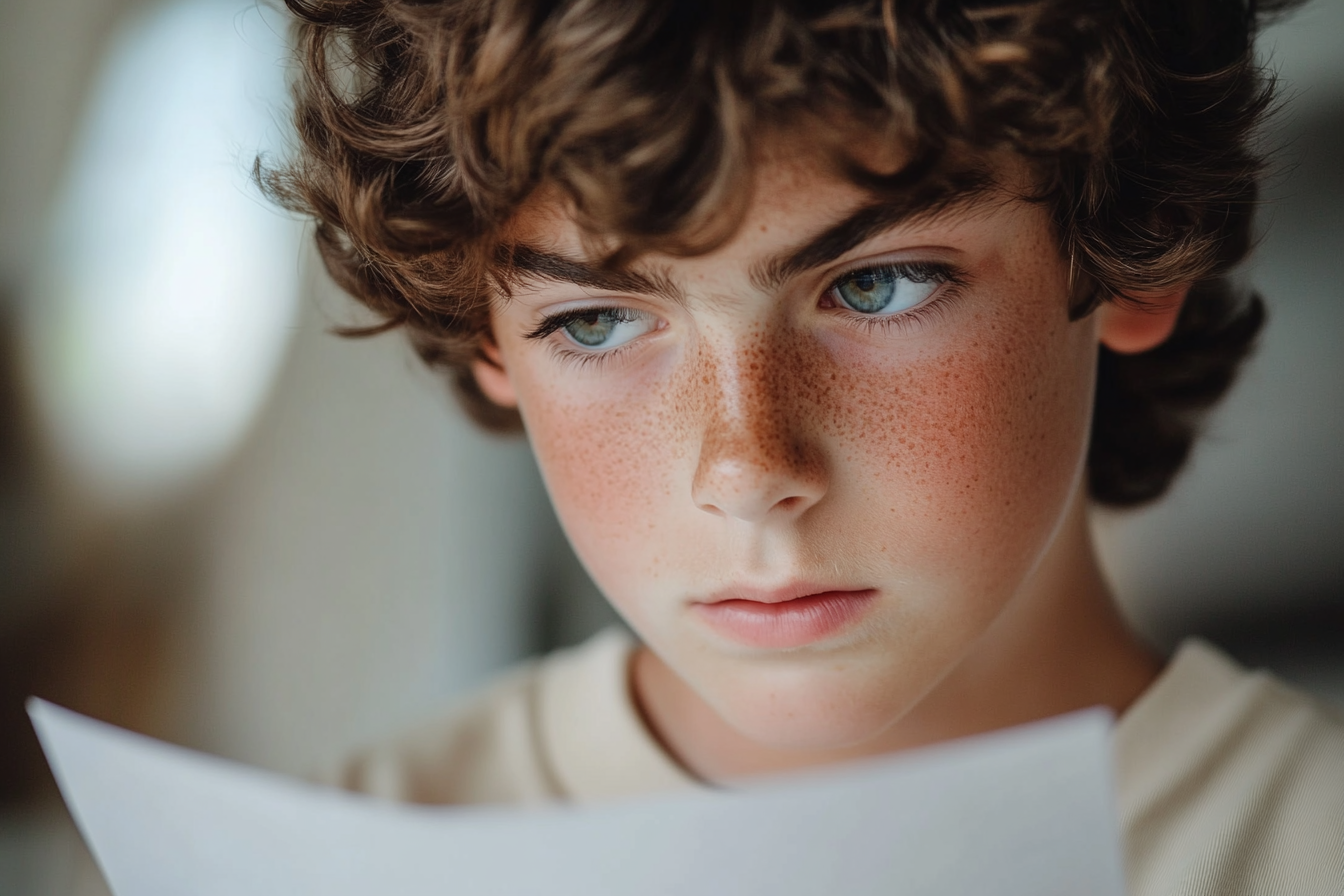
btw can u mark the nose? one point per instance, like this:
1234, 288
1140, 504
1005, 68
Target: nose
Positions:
756, 460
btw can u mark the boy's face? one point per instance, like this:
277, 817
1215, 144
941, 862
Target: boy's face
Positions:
891, 415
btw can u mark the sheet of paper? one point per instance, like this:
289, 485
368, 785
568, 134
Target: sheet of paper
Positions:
1027, 812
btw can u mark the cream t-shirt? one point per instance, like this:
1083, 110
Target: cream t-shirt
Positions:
1229, 782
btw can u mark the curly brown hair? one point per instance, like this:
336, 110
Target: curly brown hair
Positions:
423, 127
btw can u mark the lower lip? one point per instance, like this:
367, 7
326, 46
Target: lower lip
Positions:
789, 623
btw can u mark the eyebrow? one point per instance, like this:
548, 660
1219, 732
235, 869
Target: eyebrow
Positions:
906, 207
548, 266
867, 222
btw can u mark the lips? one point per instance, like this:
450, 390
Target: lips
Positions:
789, 617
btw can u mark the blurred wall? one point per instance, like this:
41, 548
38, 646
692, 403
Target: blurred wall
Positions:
366, 556
1249, 545
361, 557
49, 50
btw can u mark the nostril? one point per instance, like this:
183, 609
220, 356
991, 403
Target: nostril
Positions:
753, 491
710, 507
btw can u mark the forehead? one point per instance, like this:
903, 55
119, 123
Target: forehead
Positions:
782, 166
808, 200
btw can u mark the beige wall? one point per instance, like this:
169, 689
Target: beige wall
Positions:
1255, 526
366, 555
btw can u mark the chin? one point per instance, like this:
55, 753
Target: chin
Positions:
837, 708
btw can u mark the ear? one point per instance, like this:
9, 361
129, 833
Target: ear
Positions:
492, 377
1129, 327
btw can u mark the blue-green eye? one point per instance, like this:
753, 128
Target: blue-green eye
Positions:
592, 328
886, 290
598, 327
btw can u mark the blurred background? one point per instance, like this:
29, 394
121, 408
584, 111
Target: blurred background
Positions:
223, 526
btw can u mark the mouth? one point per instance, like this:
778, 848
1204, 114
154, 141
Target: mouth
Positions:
794, 616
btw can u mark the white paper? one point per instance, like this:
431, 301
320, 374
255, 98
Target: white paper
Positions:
1027, 812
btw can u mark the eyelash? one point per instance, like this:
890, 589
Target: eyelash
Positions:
905, 321
558, 321
952, 279
916, 271
585, 360
581, 359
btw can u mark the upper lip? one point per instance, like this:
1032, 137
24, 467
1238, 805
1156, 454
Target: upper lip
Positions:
772, 595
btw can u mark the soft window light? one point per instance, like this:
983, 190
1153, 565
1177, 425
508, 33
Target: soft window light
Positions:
163, 305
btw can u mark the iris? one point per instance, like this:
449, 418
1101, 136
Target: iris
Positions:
868, 291
890, 289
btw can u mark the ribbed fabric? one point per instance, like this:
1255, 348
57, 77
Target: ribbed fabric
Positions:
1230, 783
563, 728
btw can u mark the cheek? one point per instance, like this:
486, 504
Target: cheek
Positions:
963, 457
611, 452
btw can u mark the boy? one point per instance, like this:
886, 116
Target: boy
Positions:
826, 321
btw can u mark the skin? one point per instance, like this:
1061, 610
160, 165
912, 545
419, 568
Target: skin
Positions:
760, 434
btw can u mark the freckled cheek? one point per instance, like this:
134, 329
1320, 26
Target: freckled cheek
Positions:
610, 458
967, 453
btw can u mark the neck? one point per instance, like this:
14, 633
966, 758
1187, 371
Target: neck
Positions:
1058, 646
